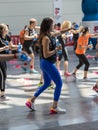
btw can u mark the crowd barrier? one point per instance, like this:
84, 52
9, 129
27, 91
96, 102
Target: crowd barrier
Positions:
15, 39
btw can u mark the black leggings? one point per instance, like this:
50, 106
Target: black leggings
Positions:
82, 60
3, 75
64, 50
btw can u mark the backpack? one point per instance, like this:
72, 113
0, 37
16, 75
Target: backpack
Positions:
21, 36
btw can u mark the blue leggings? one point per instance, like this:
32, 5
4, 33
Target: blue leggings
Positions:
50, 72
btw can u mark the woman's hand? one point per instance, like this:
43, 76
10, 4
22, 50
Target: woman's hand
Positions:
59, 48
97, 46
6, 47
90, 46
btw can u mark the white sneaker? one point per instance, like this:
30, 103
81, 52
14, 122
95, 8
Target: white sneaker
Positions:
57, 110
86, 79
34, 71
4, 98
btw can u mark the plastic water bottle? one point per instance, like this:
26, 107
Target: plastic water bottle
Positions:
90, 43
19, 47
58, 44
24, 57
34, 39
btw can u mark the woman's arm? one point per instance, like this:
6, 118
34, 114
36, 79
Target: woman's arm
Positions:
7, 57
12, 46
93, 35
4, 48
57, 33
78, 30
82, 47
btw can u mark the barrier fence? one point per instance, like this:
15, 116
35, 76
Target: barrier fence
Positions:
15, 39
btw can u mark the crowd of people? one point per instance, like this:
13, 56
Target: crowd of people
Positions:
51, 41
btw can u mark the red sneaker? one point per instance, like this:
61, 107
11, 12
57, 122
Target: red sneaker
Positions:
95, 88
30, 105
67, 74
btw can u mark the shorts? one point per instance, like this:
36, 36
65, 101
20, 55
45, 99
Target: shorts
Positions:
28, 48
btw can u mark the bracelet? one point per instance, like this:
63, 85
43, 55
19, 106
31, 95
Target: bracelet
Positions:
15, 56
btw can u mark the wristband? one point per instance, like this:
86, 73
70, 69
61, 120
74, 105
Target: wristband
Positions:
15, 56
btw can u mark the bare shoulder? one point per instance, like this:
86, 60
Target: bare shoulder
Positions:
45, 38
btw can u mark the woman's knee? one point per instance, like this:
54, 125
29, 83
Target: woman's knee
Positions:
59, 84
47, 83
79, 65
87, 66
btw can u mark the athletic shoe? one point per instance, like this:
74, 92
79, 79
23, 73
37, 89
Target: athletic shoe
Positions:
51, 86
34, 71
86, 79
30, 105
70, 78
74, 75
96, 58
40, 84
4, 98
25, 69
67, 74
57, 110
95, 88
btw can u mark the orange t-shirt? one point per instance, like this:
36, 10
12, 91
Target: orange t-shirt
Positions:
82, 41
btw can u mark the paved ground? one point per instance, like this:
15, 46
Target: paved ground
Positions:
77, 97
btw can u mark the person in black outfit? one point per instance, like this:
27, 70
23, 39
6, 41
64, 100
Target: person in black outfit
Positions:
30, 38
76, 32
5, 45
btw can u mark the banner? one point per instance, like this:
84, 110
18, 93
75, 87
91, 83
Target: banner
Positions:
57, 4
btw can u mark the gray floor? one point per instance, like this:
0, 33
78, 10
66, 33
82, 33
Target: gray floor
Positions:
77, 97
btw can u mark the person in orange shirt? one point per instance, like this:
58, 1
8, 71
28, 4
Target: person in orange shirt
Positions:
82, 46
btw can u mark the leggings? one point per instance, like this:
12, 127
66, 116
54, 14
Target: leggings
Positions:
82, 60
3, 69
50, 72
64, 54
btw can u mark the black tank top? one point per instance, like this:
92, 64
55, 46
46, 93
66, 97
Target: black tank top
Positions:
52, 46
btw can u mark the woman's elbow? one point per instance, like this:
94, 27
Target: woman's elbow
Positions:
46, 55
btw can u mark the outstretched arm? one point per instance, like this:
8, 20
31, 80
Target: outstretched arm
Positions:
57, 33
6, 57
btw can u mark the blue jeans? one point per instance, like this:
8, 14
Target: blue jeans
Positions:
50, 72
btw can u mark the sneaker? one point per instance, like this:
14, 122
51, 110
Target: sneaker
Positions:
34, 71
25, 68
67, 74
30, 105
95, 88
86, 79
3, 98
57, 110
96, 58
74, 75
51, 86
70, 78
40, 84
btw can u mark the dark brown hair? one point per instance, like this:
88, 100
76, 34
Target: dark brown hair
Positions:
45, 27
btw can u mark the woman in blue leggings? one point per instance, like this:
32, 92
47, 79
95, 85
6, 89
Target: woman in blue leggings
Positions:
48, 52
